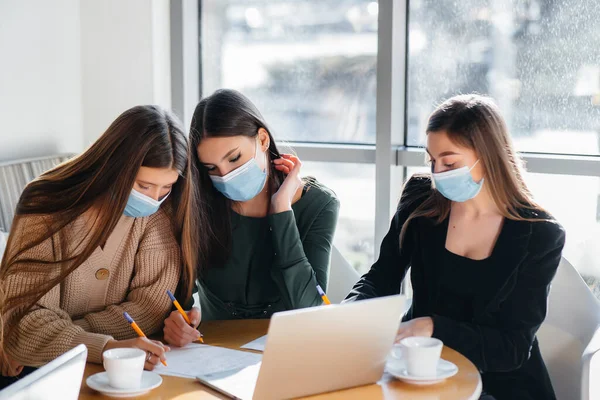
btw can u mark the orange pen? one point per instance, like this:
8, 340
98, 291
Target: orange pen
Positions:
183, 313
323, 295
137, 329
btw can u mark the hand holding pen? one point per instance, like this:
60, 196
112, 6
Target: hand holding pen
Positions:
155, 350
181, 327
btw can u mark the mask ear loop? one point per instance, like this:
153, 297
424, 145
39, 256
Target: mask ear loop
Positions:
476, 162
266, 157
482, 179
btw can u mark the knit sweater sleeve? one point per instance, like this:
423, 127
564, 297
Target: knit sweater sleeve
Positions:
157, 269
46, 331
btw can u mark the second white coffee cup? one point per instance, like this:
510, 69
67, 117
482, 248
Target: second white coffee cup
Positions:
124, 367
421, 355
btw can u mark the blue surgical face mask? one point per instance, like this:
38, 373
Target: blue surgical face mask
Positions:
458, 184
243, 183
140, 205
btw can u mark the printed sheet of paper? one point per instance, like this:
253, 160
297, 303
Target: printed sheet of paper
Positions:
200, 360
239, 385
258, 344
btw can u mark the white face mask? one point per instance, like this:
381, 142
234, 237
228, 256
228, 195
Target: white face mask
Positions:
457, 184
140, 205
243, 183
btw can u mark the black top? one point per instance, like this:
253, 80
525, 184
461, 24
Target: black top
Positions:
493, 323
459, 281
275, 262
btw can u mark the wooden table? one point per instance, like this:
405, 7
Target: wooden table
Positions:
233, 334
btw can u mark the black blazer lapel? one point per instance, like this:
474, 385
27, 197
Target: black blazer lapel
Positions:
508, 255
433, 238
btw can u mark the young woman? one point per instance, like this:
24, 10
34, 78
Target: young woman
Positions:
97, 236
482, 252
271, 231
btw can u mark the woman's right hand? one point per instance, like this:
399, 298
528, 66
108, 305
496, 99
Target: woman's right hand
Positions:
178, 332
155, 350
284, 197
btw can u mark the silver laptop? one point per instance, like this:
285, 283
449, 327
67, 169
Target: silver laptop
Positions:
59, 379
317, 350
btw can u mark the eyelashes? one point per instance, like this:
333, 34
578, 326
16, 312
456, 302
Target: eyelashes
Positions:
232, 160
432, 164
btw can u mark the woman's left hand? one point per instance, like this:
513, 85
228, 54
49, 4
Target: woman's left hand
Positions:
9, 367
282, 200
415, 327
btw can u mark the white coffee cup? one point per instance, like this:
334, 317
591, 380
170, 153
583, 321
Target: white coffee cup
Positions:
421, 355
124, 367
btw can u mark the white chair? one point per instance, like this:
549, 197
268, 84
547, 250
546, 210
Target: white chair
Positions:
342, 277
570, 336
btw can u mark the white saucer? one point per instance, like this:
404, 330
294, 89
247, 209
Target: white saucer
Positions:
397, 368
99, 382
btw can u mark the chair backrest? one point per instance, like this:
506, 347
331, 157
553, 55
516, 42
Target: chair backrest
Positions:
342, 277
571, 324
14, 176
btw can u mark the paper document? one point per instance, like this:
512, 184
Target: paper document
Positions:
198, 360
239, 385
258, 344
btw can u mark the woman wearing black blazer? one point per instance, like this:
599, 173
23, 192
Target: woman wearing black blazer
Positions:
482, 253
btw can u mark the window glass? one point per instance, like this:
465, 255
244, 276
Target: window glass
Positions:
354, 185
309, 66
539, 59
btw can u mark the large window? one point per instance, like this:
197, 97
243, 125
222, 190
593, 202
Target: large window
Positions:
340, 79
540, 60
310, 65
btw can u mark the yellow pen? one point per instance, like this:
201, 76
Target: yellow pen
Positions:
137, 330
183, 313
323, 295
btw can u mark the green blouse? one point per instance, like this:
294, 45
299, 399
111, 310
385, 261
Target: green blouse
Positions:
276, 261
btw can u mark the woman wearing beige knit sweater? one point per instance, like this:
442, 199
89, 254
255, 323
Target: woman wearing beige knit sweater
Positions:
91, 241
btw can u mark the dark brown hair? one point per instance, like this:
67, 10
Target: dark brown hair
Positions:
475, 122
100, 181
225, 113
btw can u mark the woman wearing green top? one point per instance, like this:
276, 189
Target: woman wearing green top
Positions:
270, 232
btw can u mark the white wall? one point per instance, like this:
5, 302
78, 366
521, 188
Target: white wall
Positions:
40, 78
125, 55
68, 68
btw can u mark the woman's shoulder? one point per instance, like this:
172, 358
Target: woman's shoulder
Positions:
160, 221
319, 191
415, 190
418, 184
546, 231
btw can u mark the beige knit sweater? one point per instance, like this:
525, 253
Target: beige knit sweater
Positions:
132, 272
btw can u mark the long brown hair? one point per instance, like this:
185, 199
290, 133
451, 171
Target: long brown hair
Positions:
475, 122
225, 113
101, 180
